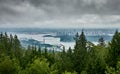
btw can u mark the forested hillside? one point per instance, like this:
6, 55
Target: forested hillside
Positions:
85, 58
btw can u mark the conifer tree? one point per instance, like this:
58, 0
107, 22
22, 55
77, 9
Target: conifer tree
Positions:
17, 47
101, 41
1, 41
77, 41
46, 52
11, 41
17, 44
80, 52
69, 52
39, 51
69, 60
114, 49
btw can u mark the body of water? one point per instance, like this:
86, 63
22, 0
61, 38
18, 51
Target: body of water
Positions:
57, 37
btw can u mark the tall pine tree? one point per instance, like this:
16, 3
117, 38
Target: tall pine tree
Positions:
80, 52
17, 47
114, 49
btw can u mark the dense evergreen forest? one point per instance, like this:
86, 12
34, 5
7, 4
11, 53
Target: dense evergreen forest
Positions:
85, 58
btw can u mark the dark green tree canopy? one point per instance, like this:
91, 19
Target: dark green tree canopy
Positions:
101, 41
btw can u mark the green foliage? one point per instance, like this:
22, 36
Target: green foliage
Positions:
85, 58
8, 65
39, 51
101, 41
80, 53
39, 66
10, 45
114, 50
69, 72
96, 60
83, 72
111, 70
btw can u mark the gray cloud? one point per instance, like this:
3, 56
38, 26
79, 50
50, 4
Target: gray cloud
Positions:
58, 13
80, 6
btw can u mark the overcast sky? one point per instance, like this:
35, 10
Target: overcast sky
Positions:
60, 13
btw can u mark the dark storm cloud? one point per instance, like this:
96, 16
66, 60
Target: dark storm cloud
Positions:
7, 7
80, 6
18, 12
68, 6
